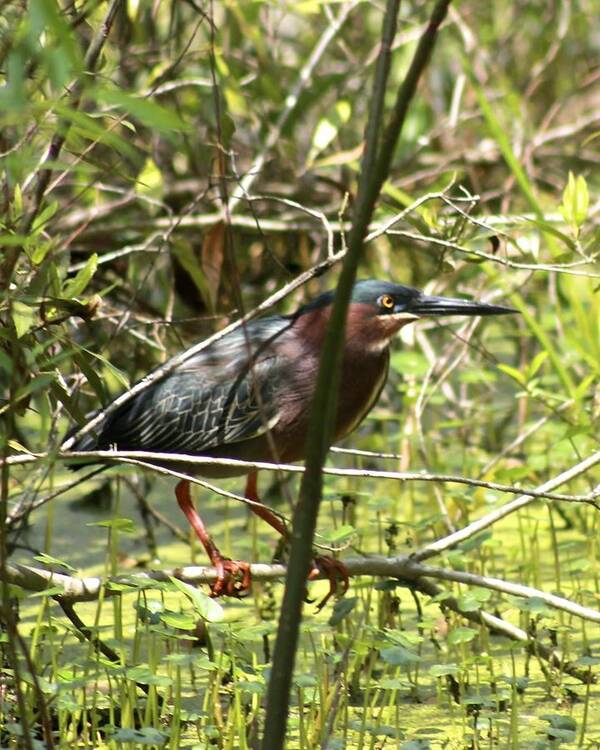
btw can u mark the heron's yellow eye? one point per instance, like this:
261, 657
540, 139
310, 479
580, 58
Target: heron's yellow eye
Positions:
386, 301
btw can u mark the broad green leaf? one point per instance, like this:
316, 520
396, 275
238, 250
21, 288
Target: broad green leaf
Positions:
81, 360
179, 620
328, 128
207, 608
148, 112
86, 126
143, 674
40, 251
400, 656
461, 635
38, 383
441, 670
65, 398
342, 609
338, 536
120, 376
24, 317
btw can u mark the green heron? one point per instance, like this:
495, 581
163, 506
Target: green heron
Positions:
247, 396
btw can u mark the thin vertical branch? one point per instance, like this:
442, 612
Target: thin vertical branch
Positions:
323, 413
374, 171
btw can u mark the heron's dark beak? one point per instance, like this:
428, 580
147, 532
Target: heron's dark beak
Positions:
428, 306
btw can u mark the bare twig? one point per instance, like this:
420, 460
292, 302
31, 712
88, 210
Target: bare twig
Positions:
153, 460
520, 502
304, 78
375, 166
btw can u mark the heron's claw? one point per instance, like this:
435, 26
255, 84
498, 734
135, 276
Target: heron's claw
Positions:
334, 570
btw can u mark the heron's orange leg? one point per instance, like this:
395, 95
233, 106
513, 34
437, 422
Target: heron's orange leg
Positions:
228, 571
335, 570
261, 510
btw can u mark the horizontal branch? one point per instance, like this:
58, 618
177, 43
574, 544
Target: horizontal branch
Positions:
185, 460
402, 567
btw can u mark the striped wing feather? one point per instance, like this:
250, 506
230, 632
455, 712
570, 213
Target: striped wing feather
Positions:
213, 399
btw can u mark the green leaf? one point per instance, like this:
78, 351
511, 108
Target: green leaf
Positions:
327, 129
65, 398
143, 674
145, 736
179, 620
442, 670
575, 202
84, 124
206, 608
124, 525
342, 609
338, 536
536, 363
149, 181
557, 721
588, 661
461, 635
24, 317
306, 681
535, 605
120, 376
150, 114
400, 656
44, 217
514, 373
38, 383
81, 360
40, 251
74, 287
53, 562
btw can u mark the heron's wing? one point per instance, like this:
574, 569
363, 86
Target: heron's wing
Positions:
216, 398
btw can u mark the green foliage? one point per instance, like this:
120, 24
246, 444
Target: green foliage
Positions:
115, 252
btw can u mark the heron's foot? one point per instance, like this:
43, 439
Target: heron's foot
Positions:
335, 571
233, 578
